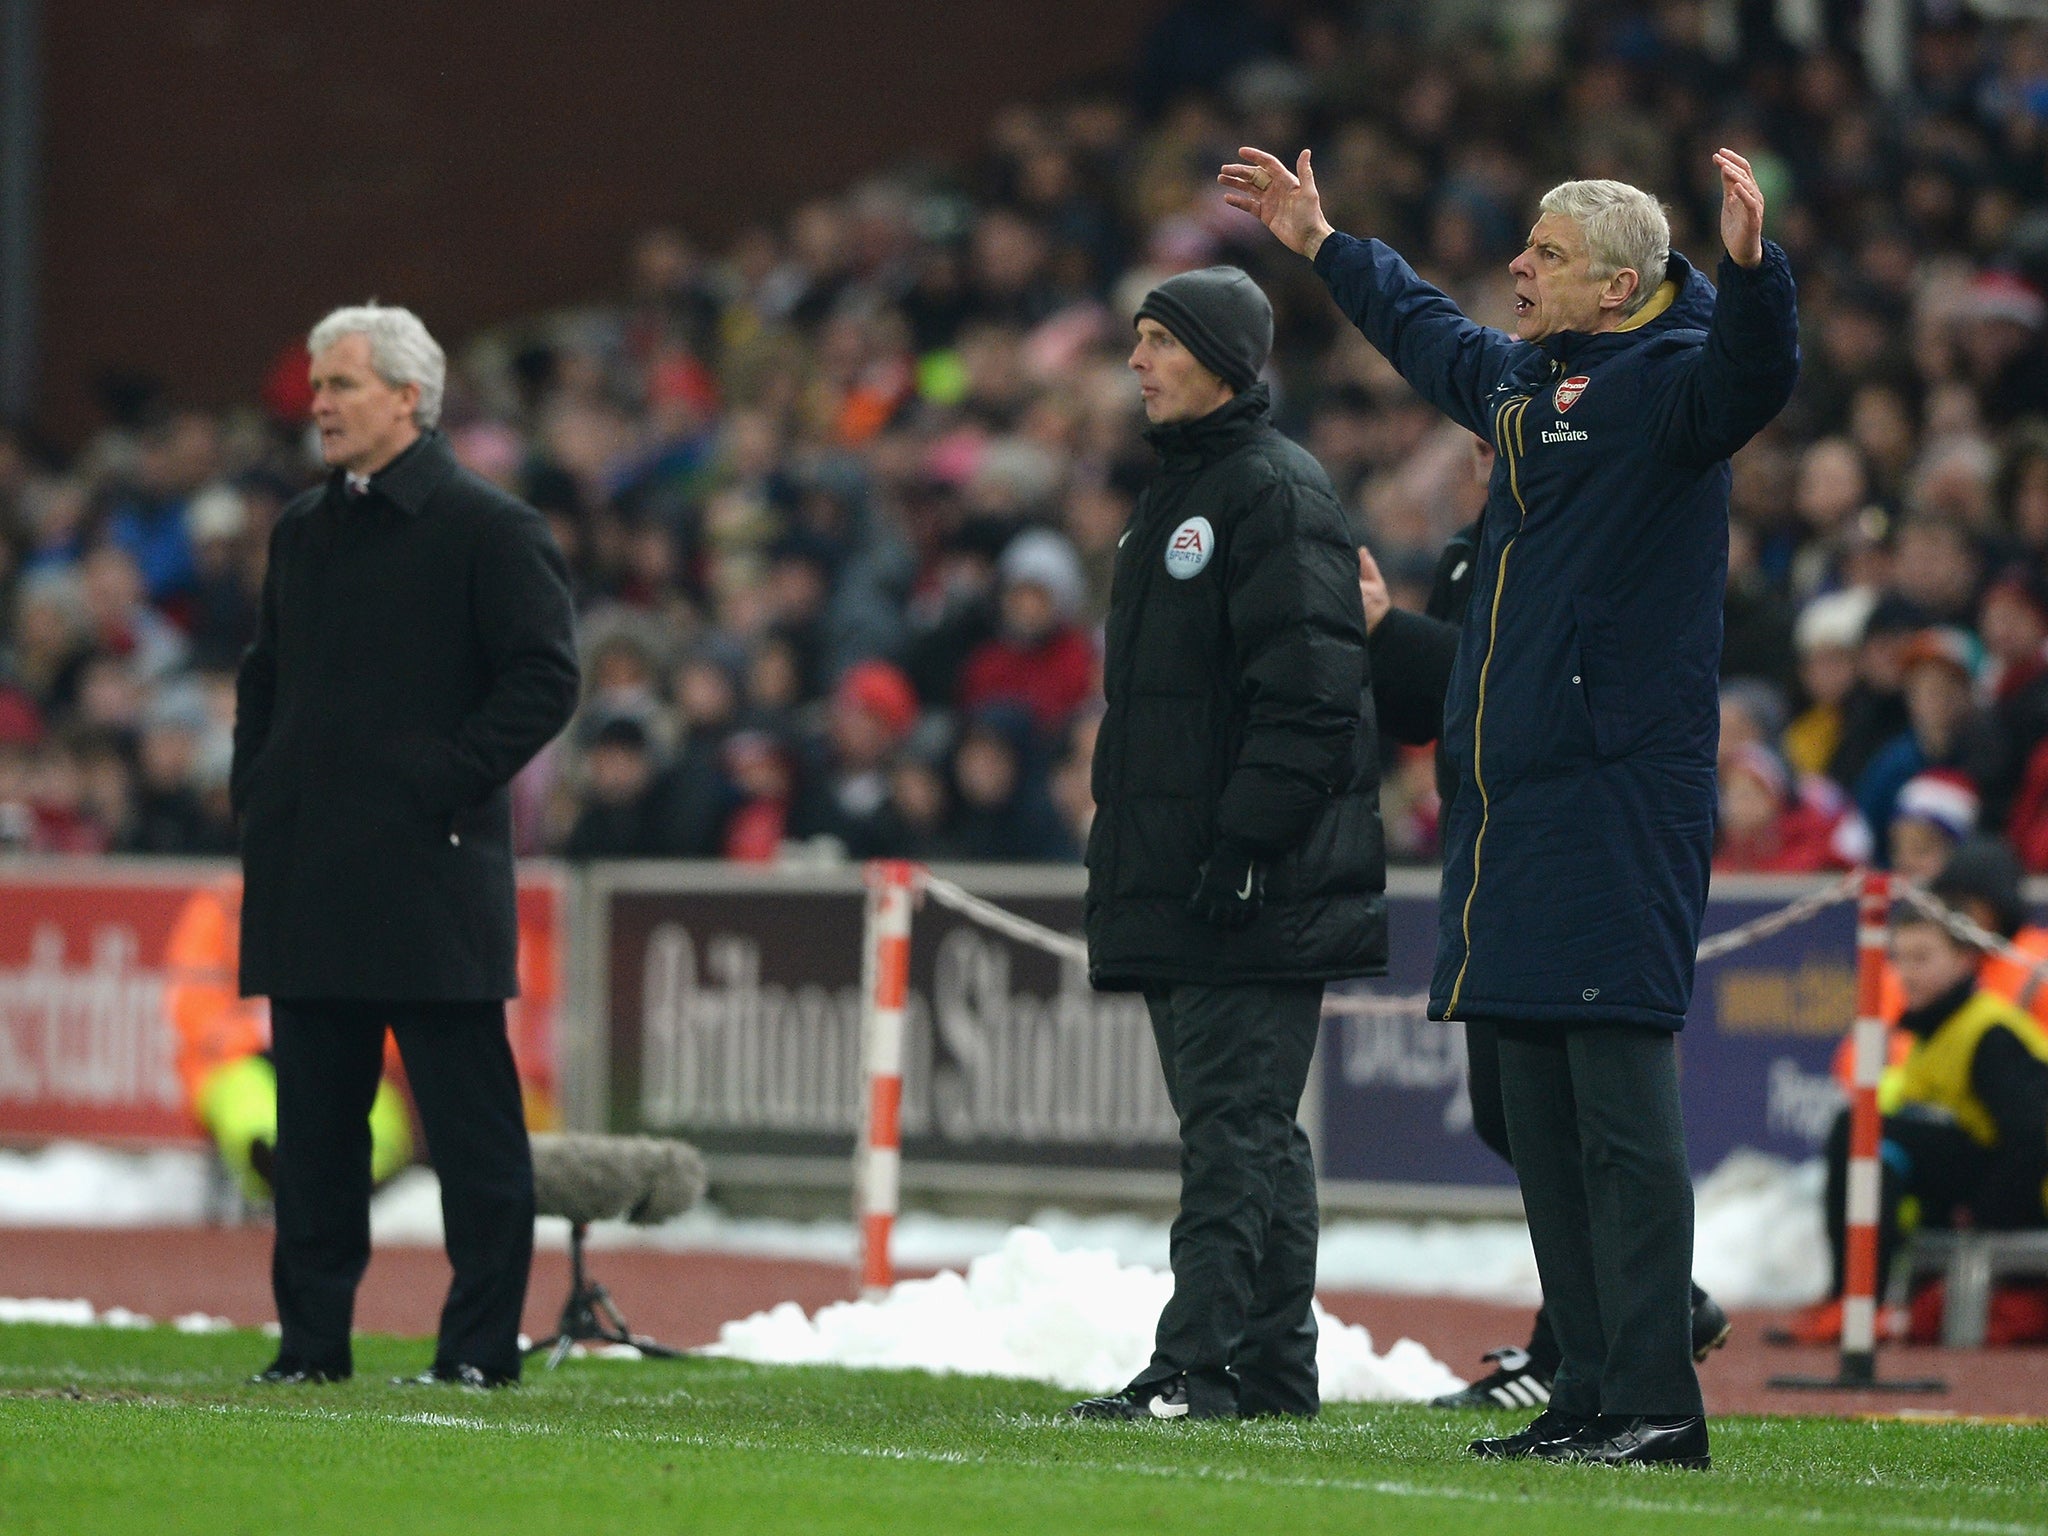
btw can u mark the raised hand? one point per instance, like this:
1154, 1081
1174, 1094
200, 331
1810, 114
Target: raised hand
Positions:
1742, 209
1284, 201
1372, 590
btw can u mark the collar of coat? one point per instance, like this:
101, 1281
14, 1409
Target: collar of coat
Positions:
1207, 438
1683, 301
408, 480
1923, 1022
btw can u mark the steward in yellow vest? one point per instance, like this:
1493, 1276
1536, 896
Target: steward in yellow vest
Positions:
1965, 1112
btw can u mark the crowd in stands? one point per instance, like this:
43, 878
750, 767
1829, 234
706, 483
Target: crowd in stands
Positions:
840, 497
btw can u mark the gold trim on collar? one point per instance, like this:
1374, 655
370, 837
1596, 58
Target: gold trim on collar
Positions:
1665, 296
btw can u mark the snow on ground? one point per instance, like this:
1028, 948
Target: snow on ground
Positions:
76, 1184
1759, 1240
80, 1314
1076, 1318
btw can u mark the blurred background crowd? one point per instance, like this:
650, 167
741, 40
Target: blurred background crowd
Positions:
840, 498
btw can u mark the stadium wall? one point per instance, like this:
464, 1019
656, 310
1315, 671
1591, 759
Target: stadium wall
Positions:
218, 173
723, 1003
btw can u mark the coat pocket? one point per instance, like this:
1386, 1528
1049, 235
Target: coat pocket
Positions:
1602, 678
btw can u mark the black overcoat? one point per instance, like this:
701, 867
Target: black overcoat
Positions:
416, 647
1239, 707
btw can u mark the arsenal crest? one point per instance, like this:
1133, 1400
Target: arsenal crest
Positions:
1569, 390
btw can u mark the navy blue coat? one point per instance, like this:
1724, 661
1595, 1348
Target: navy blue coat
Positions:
1582, 717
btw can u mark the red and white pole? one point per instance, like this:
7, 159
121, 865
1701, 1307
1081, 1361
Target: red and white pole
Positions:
1859, 1287
891, 886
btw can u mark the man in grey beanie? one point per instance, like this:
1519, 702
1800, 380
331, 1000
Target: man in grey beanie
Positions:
1235, 863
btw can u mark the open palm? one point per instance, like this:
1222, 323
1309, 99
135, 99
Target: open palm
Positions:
1742, 209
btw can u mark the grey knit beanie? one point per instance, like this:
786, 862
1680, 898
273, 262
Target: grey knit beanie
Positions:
1221, 316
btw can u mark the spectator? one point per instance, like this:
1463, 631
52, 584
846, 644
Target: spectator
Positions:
812, 447
1932, 815
119, 620
1937, 567
919, 821
1874, 710
2013, 620
222, 600
763, 777
692, 797
846, 783
149, 521
1833, 488
1039, 658
1766, 827
169, 815
1826, 638
1005, 813
614, 820
1072, 792
1945, 728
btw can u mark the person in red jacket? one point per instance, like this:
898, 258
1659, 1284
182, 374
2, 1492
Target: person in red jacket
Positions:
1040, 658
1768, 828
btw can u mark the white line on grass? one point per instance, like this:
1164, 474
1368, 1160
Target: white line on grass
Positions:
1388, 1488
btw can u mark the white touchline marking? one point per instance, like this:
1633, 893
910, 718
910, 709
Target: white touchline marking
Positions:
1574, 1494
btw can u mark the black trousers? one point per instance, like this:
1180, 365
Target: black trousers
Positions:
1924, 1154
1490, 1124
459, 1065
1599, 1149
1243, 1245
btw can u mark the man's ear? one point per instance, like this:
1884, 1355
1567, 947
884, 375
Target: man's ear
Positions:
1620, 288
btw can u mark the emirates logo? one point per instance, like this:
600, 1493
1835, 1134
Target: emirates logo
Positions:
1568, 392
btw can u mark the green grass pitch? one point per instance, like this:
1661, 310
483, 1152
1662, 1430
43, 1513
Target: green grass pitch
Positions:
153, 1431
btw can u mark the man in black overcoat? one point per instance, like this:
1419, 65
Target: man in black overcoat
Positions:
1235, 862
415, 649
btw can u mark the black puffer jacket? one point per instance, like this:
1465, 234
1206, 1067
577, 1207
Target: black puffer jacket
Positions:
1240, 707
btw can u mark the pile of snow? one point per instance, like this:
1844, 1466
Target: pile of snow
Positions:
1033, 1311
1759, 1228
77, 1313
1758, 1237
75, 1184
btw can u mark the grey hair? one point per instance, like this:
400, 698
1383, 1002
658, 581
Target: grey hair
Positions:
401, 351
1625, 228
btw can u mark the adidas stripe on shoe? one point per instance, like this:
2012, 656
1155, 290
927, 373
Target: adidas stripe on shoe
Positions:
1515, 1382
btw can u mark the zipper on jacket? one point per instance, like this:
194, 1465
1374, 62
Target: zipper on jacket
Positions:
1509, 444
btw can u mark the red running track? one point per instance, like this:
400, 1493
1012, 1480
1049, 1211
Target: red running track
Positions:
682, 1298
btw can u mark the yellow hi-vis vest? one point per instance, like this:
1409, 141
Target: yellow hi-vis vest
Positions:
1937, 1070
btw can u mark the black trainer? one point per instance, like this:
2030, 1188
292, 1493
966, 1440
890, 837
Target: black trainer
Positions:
1162, 1400
1549, 1428
472, 1377
1710, 1327
289, 1373
1515, 1382
1631, 1440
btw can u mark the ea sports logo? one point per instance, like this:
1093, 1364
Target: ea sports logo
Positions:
1569, 390
1193, 542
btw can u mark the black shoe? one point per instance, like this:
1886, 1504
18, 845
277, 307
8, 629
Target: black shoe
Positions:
289, 1373
1710, 1326
1550, 1428
1624, 1440
474, 1377
1515, 1382
1161, 1400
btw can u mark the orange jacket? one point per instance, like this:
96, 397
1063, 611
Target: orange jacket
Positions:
214, 1024
2003, 975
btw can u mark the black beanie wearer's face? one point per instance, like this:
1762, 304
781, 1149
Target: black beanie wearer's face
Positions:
1221, 316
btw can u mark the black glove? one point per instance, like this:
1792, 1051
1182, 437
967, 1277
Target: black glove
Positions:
1230, 888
